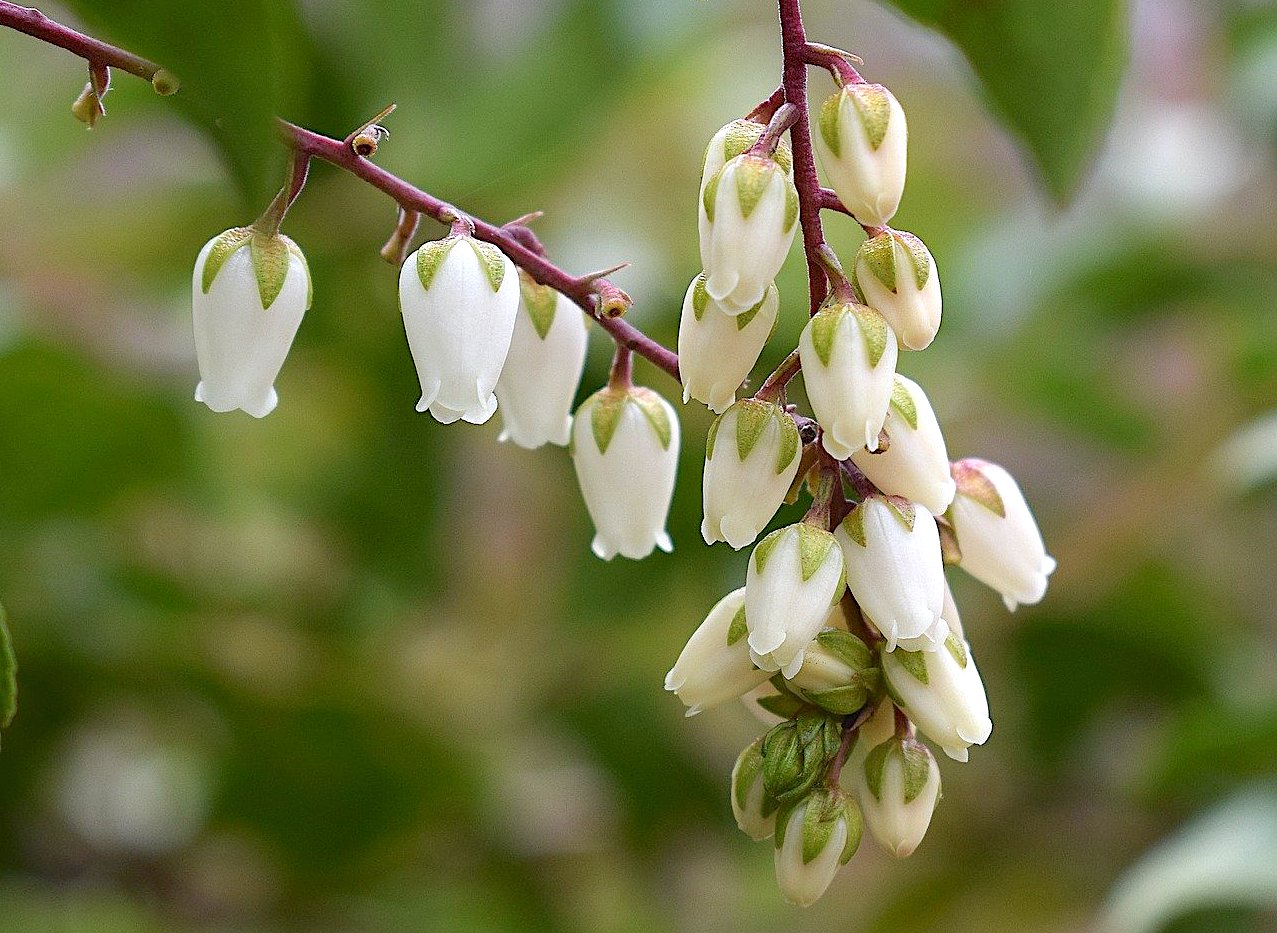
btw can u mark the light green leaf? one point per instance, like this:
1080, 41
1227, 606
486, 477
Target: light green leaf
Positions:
830, 113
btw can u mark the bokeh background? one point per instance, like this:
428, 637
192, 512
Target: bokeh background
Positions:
346, 669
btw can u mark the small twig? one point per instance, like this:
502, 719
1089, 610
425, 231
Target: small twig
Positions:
396, 249
835, 61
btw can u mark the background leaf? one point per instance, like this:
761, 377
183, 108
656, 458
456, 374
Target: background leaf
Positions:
8, 675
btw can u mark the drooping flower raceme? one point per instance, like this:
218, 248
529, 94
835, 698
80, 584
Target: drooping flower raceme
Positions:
751, 458
716, 350
250, 291
898, 787
459, 298
625, 450
543, 368
794, 576
896, 274
942, 693
891, 550
848, 356
915, 463
815, 837
862, 147
715, 666
749, 214
999, 541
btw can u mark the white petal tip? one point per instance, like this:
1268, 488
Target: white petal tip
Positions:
957, 754
663, 542
602, 550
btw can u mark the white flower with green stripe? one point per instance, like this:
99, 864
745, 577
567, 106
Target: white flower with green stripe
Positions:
249, 292
748, 217
941, 691
861, 140
751, 458
543, 368
896, 274
717, 350
714, 666
459, 297
625, 450
894, 569
898, 787
814, 838
794, 576
848, 356
998, 539
915, 462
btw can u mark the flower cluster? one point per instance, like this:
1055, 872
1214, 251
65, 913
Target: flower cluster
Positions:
845, 634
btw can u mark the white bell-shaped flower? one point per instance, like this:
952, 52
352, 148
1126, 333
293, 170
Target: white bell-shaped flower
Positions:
997, 535
751, 457
891, 550
814, 838
941, 691
753, 807
794, 576
250, 291
748, 217
862, 145
717, 350
896, 274
543, 369
915, 462
898, 787
737, 138
715, 665
460, 298
625, 450
848, 355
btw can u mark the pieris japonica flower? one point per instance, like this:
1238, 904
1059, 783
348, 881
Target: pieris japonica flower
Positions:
942, 693
753, 807
751, 458
815, 837
896, 275
539, 379
898, 786
459, 298
915, 463
625, 450
748, 217
838, 672
715, 666
249, 293
848, 356
716, 350
999, 541
862, 147
795, 575
891, 550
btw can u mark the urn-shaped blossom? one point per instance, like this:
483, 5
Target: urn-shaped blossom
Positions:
896, 274
753, 807
898, 786
862, 148
543, 368
459, 297
915, 462
794, 576
249, 293
838, 672
715, 665
814, 838
998, 538
848, 356
751, 458
891, 550
942, 693
717, 350
748, 216
625, 450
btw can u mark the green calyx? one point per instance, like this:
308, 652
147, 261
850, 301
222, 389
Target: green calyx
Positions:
904, 510
431, 256
914, 662
709, 197
738, 629
797, 752
748, 770
871, 326
881, 255
752, 419
753, 176
915, 760
977, 487
902, 401
873, 106
271, 257
957, 650
825, 808
540, 301
854, 524
741, 136
700, 297
814, 546
608, 404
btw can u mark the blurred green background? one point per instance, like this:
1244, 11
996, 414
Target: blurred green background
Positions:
345, 669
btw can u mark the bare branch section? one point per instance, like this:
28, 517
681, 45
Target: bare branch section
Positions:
597, 297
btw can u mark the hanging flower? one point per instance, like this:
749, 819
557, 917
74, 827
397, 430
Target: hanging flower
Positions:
715, 666
814, 838
915, 463
898, 787
896, 274
753, 807
862, 147
751, 457
717, 350
942, 693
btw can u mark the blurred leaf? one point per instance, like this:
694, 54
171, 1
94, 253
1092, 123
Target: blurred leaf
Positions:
1211, 748
1051, 70
241, 63
8, 675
